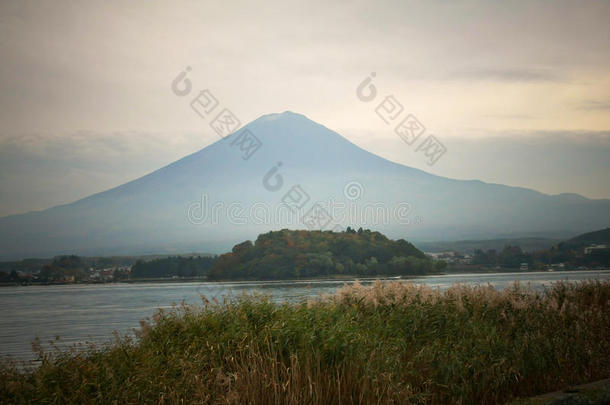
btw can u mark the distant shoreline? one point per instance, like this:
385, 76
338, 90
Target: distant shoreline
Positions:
167, 280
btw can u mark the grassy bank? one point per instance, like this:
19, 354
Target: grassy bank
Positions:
390, 343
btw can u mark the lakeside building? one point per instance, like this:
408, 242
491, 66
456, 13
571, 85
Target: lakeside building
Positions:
595, 248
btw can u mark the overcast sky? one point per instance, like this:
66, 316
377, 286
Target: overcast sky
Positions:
519, 92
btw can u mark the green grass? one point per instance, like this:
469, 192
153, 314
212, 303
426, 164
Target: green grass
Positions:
390, 343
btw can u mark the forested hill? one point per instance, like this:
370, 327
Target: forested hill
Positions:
601, 236
173, 266
300, 254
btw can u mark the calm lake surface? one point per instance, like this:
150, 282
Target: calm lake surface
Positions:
90, 313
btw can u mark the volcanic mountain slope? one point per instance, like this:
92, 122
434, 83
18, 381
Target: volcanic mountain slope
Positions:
214, 198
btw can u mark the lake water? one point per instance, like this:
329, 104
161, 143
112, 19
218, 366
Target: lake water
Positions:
90, 313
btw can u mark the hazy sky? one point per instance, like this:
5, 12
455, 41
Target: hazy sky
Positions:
519, 92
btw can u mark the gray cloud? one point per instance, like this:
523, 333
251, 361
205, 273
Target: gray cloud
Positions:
594, 105
106, 65
510, 116
40, 170
507, 75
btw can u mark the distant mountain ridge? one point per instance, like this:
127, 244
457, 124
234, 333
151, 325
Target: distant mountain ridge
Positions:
214, 198
469, 246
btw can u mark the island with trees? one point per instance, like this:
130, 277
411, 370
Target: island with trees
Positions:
289, 254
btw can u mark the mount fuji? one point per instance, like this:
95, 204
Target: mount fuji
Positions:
286, 171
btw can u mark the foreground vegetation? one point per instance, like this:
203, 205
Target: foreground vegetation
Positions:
389, 343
